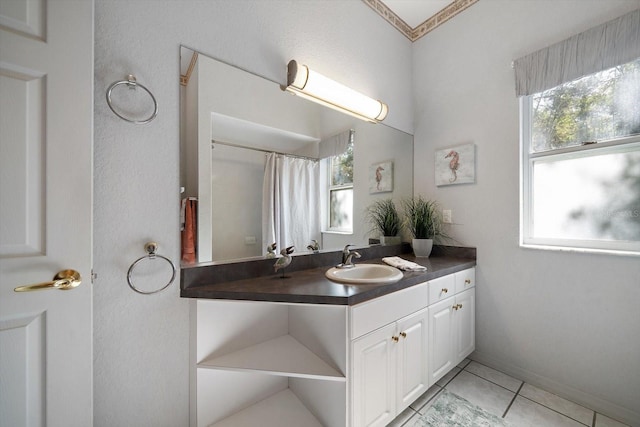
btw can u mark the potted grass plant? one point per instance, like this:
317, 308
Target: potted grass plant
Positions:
423, 219
385, 221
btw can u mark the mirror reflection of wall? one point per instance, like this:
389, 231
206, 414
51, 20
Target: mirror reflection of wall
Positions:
236, 179
246, 116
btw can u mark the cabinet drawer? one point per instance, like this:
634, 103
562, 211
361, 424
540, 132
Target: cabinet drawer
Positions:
441, 288
370, 315
465, 279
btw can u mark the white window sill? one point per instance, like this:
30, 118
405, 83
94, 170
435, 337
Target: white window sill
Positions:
616, 252
343, 233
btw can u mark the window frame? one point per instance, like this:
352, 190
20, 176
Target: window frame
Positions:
330, 189
527, 160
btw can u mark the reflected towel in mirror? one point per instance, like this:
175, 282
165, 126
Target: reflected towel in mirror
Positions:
188, 216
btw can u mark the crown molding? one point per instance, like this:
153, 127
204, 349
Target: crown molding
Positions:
390, 16
184, 78
427, 26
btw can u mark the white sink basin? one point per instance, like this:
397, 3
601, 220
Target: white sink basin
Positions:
365, 273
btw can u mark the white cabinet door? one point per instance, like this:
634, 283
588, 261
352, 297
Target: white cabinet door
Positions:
465, 324
374, 378
46, 140
412, 367
452, 333
441, 330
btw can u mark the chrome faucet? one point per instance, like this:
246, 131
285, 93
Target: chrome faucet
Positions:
347, 257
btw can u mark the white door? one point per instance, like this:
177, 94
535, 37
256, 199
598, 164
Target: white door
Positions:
413, 374
373, 382
46, 137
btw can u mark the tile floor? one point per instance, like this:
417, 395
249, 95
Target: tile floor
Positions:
520, 404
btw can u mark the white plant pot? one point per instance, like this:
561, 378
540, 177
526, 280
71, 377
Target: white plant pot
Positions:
390, 240
422, 247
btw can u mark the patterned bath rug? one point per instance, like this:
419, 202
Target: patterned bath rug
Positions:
452, 410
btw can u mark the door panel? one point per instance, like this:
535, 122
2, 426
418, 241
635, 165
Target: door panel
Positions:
27, 17
21, 158
22, 353
46, 138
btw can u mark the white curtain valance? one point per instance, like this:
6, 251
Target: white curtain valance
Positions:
335, 145
612, 43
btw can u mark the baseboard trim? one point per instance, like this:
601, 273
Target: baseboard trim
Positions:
599, 405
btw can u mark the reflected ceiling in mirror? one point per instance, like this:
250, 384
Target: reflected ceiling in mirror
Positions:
230, 119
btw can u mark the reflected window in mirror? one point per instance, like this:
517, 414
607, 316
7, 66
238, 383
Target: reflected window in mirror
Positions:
340, 191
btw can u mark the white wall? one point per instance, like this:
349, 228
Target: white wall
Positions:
566, 321
141, 342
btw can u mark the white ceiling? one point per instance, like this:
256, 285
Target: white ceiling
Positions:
415, 12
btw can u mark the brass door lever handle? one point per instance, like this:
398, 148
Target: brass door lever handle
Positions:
63, 280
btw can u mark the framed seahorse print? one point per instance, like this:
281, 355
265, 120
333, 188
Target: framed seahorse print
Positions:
381, 177
456, 165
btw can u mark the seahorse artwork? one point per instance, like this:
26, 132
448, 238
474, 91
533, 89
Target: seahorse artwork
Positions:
379, 170
453, 164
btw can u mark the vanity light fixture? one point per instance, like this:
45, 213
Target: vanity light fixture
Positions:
315, 87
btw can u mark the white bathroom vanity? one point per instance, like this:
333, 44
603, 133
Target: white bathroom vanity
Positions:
333, 362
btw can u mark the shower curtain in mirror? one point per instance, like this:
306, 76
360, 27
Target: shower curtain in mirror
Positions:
290, 202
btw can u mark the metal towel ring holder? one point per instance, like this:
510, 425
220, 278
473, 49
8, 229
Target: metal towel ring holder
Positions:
151, 248
132, 84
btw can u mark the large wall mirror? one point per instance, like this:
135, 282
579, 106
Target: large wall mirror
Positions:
245, 141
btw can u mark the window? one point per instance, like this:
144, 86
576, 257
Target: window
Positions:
341, 191
581, 163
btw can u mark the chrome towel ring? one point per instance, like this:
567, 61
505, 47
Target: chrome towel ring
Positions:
151, 248
132, 84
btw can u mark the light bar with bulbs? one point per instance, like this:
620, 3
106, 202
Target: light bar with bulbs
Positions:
308, 84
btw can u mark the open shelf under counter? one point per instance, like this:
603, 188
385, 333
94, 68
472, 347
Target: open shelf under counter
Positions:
282, 356
280, 409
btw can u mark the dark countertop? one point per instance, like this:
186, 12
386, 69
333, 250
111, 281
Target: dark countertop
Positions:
310, 286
